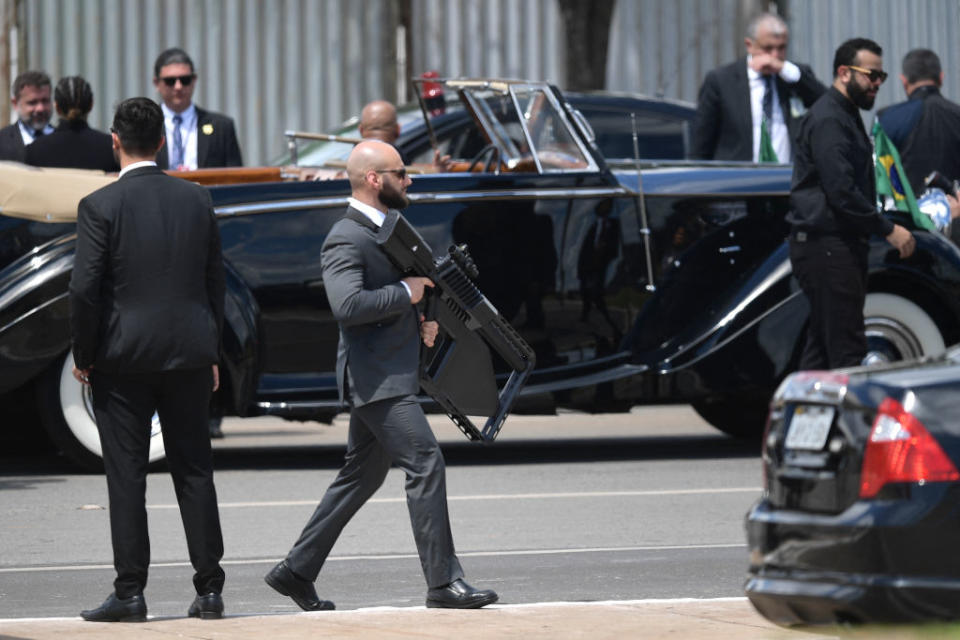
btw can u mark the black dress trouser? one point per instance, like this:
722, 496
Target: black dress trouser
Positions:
832, 272
124, 406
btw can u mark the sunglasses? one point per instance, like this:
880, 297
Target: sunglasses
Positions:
400, 173
184, 80
873, 74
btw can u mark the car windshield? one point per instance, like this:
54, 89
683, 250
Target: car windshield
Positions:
662, 127
524, 124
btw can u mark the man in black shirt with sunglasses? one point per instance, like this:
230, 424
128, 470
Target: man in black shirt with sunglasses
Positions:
833, 209
196, 138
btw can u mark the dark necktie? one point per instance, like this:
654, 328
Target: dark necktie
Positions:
768, 98
37, 133
177, 143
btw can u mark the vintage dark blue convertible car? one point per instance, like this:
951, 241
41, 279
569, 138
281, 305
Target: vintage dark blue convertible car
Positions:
653, 284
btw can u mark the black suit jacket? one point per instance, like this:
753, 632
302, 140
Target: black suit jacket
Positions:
926, 132
217, 144
11, 143
147, 290
379, 349
75, 145
723, 126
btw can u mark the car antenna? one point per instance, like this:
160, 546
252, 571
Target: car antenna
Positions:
642, 202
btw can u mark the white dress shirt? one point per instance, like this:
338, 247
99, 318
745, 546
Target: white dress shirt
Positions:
188, 134
779, 135
376, 217
136, 165
27, 133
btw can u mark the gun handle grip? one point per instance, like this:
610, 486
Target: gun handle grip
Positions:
430, 304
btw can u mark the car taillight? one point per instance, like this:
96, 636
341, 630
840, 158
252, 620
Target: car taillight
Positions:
900, 449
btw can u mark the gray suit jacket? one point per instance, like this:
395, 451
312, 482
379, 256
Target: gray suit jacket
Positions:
379, 349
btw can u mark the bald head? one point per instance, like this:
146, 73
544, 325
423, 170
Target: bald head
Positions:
378, 121
370, 155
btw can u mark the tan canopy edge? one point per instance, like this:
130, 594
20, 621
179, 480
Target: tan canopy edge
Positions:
46, 195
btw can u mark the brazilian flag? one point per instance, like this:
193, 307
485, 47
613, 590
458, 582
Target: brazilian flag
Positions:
892, 179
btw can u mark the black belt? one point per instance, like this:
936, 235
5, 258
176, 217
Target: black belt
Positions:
809, 235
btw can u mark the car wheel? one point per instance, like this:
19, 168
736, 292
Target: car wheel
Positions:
898, 329
738, 416
66, 411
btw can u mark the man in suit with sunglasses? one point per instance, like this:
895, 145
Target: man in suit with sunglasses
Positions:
378, 360
196, 138
833, 209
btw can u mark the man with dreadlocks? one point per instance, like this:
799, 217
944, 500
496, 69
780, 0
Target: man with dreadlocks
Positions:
74, 144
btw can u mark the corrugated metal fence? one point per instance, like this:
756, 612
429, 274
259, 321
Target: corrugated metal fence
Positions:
310, 64
302, 64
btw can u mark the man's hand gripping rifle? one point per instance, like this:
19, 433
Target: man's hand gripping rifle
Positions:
458, 371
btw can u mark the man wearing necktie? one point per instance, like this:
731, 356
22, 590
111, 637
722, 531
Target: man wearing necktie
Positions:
747, 110
34, 107
177, 142
767, 152
197, 138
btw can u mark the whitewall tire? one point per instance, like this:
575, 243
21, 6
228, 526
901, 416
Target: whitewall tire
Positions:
898, 329
66, 408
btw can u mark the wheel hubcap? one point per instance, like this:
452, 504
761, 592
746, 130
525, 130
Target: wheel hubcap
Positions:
888, 341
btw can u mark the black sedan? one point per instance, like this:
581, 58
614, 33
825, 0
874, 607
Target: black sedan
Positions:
860, 516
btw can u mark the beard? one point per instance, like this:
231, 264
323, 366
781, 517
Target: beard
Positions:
38, 122
860, 96
391, 198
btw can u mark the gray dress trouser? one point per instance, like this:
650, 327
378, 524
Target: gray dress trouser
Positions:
387, 431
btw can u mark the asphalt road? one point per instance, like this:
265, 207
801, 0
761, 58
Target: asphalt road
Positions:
569, 508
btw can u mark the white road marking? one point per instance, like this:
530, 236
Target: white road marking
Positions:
493, 496
401, 556
378, 610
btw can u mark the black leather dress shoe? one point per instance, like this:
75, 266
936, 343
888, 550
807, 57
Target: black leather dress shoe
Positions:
113, 609
460, 595
207, 607
285, 582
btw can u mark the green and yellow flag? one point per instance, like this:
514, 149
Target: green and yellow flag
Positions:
892, 179
767, 154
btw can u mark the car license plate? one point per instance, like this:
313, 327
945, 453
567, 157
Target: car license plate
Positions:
809, 427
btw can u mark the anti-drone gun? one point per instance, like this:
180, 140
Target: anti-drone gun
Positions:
458, 371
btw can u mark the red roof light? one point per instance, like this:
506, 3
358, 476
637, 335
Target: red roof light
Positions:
900, 449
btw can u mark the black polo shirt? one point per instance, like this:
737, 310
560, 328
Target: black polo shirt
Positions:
833, 191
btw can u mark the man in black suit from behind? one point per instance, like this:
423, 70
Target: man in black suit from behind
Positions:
146, 311
31, 101
196, 138
735, 98
378, 360
74, 144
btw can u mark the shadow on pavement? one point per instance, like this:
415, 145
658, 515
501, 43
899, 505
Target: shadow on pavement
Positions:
507, 452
